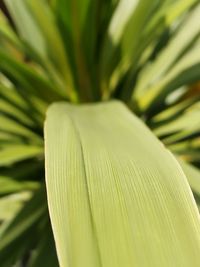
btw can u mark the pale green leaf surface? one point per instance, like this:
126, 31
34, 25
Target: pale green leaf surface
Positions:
116, 196
193, 176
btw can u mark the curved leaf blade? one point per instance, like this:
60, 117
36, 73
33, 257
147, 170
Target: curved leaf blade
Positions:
116, 196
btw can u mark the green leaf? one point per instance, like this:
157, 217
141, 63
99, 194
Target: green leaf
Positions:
132, 38
45, 252
8, 109
26, 25
171, 112
18, 235
12, 96
177, 59
27, 78
184, 125
7, 32
132, 32
15, 153
7, 138
78, 22
121, 16
168, 14
11, 126
9, 185
193, 176
116, 196
123, 38
10, 205
21, 176
43, 36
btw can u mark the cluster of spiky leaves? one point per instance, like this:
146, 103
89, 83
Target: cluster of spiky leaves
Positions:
146, 53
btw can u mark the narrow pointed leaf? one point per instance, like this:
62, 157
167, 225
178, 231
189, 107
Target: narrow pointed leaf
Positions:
15, 153
45, 247
153, 72
18, 235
